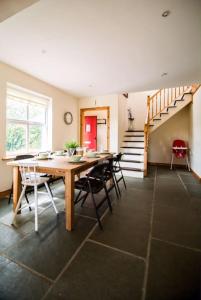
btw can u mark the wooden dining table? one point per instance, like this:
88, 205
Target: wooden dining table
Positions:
57, 166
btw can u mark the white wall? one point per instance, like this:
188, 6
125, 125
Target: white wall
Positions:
138, 104
112, 102
61, 103
195, 133
161, 139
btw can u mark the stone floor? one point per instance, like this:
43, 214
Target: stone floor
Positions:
150, 247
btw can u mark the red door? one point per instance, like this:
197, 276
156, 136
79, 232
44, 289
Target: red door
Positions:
90, 132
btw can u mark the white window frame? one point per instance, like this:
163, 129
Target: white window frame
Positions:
27, 96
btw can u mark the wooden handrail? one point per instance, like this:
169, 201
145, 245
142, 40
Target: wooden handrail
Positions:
163, 98
156, 104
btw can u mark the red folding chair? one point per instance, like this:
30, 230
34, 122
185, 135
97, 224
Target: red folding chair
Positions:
180, 150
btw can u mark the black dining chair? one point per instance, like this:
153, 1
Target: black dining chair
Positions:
118, 170
92, 184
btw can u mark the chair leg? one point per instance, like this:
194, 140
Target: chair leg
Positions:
97, 215
27, 200
50, 189
188, 164
117, 184
123, 179
36, 207
51, 198
10, 196
85, 198
172, 159
108, 199
19, 203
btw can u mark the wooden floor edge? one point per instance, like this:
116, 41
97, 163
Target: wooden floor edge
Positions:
5, 193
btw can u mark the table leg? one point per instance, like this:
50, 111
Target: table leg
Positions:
69, 199
17, 188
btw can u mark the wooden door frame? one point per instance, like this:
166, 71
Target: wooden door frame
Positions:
83, 110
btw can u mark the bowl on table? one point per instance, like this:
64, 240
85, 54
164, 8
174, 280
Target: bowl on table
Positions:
76, 158
59, 152
43, 155
91, 154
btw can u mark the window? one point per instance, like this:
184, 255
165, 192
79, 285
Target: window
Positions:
27, 121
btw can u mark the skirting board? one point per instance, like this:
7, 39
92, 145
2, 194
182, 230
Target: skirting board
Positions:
166, 165
5, 193
196, 175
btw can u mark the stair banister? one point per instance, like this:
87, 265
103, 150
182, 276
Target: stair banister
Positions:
146, 135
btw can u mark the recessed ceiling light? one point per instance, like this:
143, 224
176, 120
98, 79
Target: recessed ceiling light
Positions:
164, 74
43, 51
165, 13
90, 85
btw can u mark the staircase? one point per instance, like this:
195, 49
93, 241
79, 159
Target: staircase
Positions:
160, 107
132, 162
166, 103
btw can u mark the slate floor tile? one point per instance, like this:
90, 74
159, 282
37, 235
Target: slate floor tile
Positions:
99, 273
128, 227
174, 273
194, 190
8, 236
48, 251
19, 283
180, 225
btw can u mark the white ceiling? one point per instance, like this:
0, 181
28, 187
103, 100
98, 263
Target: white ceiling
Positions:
97, 47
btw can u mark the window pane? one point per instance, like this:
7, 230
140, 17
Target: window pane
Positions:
36, 112
35, 137
16, 138
16, 110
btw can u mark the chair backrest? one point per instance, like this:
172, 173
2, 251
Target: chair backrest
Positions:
179, 153
24, 156
28, 171
99, 171
117, 158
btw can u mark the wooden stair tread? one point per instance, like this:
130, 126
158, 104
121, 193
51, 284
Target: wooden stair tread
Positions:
132, 147
133, 141
157, 119
134, 130
132, 169
134, 135
126, 153
132, 161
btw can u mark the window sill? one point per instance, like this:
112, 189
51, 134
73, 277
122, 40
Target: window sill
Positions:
11, 157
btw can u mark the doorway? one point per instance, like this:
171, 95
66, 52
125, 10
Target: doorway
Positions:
95, 128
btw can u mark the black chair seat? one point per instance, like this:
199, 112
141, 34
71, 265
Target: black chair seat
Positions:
83, 183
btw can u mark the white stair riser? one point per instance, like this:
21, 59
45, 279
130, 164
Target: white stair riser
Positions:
133, 144
131, 150
126, 164
133, 174
133, 157
134, 138
133, 133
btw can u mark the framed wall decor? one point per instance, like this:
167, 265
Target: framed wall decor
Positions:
68, 118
